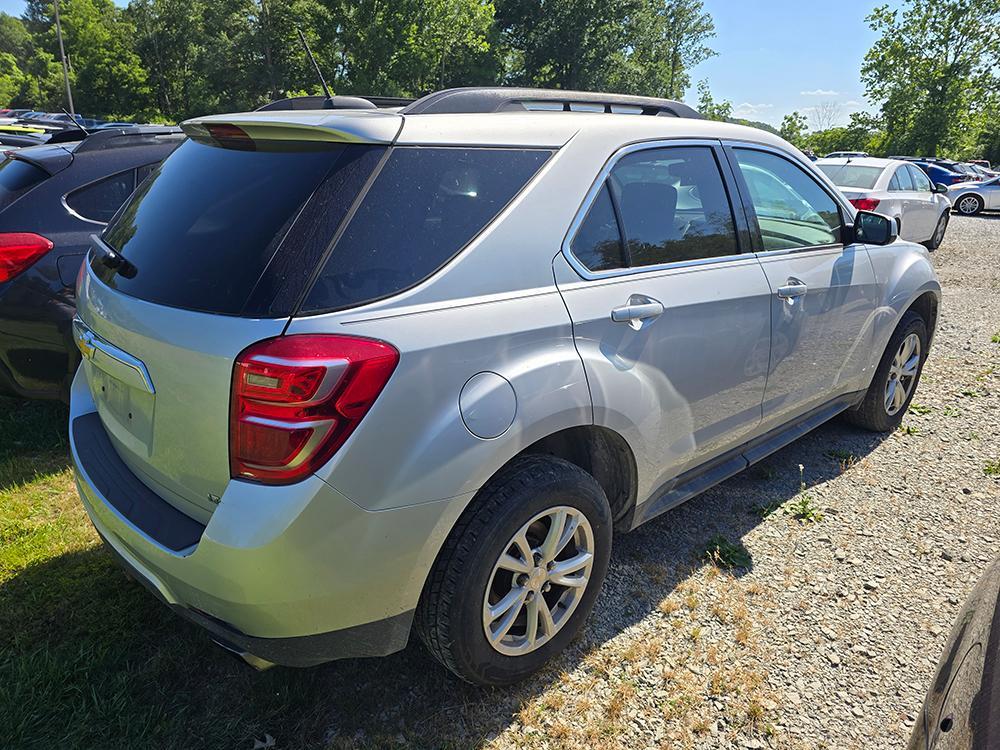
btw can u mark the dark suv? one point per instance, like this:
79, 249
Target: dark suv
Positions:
52, 198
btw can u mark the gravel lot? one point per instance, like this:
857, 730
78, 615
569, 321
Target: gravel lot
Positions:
828, 638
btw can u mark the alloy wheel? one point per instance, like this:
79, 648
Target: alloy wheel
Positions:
902, 374
968, 205
538, 581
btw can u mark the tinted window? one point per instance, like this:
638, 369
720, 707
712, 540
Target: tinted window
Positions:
99, 200
598, 243
143, 172
673, 206
202, 229
848, 175
903, 178
920, 181
16, 178
425, 205
792, 209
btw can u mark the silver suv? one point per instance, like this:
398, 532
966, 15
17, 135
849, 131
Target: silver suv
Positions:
352, 373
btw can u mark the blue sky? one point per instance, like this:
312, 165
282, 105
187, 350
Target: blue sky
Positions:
774, 56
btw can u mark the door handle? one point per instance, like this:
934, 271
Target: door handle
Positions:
637, 310
793, 288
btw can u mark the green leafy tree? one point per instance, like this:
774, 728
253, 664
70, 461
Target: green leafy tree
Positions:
793, 129
934, 62
711, 109
670, 37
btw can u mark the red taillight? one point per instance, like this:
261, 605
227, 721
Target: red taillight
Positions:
865, 204
18, 250
296, 399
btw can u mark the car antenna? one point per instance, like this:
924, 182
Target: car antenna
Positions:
73, 120
319, 73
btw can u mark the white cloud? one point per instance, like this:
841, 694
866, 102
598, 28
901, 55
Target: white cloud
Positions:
852, 103
747, 110
819, 92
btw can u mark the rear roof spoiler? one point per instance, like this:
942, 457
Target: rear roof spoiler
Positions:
504, 99
322, 126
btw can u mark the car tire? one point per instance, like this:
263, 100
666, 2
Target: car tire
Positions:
877, 412
469, 582
969, 205
938, 237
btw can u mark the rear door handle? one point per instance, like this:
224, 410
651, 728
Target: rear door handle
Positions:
637, 311
793, 288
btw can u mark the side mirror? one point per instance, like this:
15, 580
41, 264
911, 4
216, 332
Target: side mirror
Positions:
874, 229
940, 187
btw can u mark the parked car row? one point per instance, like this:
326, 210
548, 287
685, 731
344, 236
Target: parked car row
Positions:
21, 128
52, 198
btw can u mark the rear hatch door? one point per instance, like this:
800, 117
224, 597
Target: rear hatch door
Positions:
217, 245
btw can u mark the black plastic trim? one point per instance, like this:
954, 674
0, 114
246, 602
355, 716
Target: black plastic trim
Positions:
695, 481
125, 492
502, 98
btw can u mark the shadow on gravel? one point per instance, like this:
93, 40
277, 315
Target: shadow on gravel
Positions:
89, 659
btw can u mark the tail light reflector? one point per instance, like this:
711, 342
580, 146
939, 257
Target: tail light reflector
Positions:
296, 399
865, 204
18, 250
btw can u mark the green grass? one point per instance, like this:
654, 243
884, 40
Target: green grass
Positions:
725, 554
89, 659
992, 468
919, 409
995, 338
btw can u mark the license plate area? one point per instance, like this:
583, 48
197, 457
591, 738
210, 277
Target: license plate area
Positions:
127, 413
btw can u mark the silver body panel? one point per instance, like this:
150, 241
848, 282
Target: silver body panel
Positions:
988, 190
725, 362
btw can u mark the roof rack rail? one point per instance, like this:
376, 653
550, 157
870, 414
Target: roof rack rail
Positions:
504, 99
110, 137
334, 102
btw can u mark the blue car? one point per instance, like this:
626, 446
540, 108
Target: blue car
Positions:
940, 175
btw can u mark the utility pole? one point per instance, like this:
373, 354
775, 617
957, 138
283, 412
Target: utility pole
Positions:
62, 55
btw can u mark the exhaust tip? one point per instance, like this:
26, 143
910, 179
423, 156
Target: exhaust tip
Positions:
246, 657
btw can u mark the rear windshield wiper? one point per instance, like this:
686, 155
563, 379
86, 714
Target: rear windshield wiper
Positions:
112, 259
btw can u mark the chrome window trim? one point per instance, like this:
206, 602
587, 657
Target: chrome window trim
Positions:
598, 183
76, 214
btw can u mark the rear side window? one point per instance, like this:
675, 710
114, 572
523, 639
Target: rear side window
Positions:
598, 243
16, 178
424, 206
901, 180
673, 206
100, 200
203, 228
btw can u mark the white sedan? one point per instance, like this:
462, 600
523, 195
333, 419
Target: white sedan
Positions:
969, 198
897, 189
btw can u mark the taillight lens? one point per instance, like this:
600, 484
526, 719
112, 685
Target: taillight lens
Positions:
18, 250
865, 204
296, 399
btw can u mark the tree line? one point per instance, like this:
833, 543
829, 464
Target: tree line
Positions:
172, 59
931, 77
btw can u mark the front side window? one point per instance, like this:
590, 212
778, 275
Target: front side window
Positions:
920, 181
792, 210
100, 200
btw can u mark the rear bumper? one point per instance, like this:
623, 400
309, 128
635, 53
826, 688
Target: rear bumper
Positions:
295, 575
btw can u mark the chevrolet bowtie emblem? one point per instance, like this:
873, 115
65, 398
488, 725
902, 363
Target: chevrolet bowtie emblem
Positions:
84, 339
